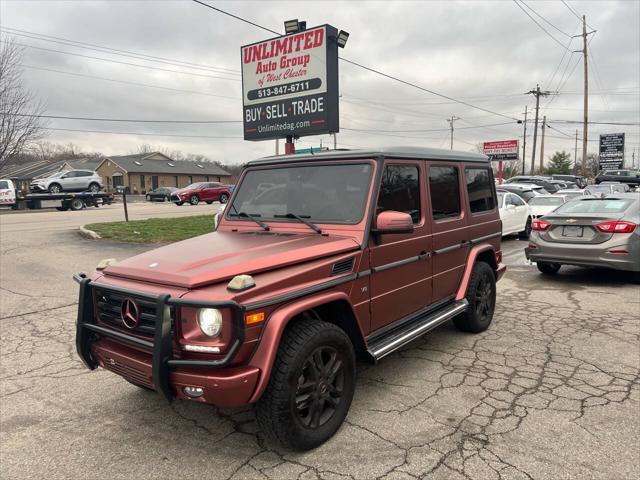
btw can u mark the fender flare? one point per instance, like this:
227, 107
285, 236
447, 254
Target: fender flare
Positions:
265, 354
471, 260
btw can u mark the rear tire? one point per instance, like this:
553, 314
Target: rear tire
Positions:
311, 385
76, 204
55, 188
548, 268
94, 188
524, 235
481, 295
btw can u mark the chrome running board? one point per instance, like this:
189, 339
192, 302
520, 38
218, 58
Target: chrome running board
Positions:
397, 338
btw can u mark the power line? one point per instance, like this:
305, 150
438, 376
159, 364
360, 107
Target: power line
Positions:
545, 20
364, 67
566, 4
121, 119
125, 82
115, 51
140, 133
124, 63
541, 27
426, 130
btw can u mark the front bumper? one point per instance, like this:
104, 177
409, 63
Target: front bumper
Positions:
36, 188
588, 255
151, 363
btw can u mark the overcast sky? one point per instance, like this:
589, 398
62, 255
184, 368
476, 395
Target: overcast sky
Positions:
487, 53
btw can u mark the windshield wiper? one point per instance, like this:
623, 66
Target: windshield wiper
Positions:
251, 217
301, 219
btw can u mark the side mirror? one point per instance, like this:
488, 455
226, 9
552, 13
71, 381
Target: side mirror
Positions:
393, 222
217, 217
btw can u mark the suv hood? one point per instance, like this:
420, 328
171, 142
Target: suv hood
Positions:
220, 256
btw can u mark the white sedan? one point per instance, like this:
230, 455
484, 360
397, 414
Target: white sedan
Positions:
544, 204
515, 215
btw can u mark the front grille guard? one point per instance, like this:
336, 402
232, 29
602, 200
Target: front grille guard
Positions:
161, 346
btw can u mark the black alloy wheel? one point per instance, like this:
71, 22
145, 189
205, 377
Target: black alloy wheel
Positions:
320, 387
485, 297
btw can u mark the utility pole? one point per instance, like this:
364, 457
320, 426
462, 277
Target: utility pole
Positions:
586, 96
575, 155
277, 146
544, 124
524, 140
537, 93
335, 142
451, 120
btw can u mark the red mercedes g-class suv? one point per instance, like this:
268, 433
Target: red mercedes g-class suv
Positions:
317, 259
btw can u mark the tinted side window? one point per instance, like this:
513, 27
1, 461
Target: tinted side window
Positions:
4, 184
84, 174
400, 191
444, 189
479, 189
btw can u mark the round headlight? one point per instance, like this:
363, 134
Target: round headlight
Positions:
210, 321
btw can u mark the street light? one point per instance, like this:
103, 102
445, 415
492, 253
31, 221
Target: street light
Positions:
342, 38
291, 26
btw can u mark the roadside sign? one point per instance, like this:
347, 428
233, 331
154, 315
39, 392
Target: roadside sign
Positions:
290, 85
611, 151
501, 150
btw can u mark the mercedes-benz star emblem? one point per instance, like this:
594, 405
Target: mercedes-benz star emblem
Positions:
129, 313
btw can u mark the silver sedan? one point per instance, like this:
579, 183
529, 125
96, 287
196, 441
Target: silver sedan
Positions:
596, 231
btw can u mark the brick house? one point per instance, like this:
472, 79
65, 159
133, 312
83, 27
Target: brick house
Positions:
144, 172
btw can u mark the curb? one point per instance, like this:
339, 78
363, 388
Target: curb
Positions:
90, 234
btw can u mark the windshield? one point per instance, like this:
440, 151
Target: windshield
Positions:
319, 193
596, 205
599, 188
537, 201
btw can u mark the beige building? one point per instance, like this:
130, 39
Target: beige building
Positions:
144, 172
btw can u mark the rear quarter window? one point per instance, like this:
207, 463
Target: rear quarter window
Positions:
444, 190
479, 189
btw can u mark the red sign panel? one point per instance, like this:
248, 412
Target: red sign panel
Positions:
501, 150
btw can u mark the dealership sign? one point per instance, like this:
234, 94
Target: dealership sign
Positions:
290, 85
611, 151
501, 150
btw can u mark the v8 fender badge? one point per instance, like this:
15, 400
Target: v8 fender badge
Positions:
153, 265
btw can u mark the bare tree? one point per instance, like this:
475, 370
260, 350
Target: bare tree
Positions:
20, 110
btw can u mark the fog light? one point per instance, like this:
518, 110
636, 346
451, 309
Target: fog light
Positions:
193, 392
201, 348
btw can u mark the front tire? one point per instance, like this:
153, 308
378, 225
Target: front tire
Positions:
311, 385
55, 188
224, 198
548, 268
194, 200
481, 295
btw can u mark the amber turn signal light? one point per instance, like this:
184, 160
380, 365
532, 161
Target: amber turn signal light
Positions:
254, 318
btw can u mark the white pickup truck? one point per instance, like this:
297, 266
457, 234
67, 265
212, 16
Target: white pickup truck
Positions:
7, 193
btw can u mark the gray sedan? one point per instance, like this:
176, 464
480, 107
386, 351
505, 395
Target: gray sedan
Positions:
596, 231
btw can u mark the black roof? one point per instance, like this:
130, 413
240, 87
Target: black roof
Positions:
420, 153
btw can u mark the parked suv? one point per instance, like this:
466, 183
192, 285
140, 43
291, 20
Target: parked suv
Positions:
629, 177
201, 192
544, 182
68, 181
344, 254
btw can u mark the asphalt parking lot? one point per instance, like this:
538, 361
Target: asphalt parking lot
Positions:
550, 391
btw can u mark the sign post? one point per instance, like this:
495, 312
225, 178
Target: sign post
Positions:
611, 151
500, 151
290, 86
